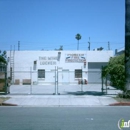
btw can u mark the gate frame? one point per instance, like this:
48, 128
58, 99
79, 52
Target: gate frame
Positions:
106, 82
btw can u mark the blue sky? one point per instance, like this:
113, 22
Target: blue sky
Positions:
48, 24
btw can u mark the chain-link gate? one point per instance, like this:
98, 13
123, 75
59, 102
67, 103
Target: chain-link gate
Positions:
58, 81
34, 82
71, 82
107, 87
55, 81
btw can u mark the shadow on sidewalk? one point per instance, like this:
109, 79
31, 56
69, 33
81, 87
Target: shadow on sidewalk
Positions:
94, 93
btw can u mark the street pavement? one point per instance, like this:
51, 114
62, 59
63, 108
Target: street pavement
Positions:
63, 118
69, 96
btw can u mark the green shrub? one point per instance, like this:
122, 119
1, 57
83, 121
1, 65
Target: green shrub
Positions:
116, 70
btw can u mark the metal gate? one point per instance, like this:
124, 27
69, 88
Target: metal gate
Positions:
54, 82
68, 83
107, 87
34, 82
48, 82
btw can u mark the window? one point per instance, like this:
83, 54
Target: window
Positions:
35, 65
78, 73
41, 73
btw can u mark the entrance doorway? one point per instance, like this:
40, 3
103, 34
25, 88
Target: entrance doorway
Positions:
65, 76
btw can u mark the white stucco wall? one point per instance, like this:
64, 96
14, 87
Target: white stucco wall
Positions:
99, 56
24, 63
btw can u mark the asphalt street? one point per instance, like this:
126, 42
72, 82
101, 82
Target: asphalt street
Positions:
65, 118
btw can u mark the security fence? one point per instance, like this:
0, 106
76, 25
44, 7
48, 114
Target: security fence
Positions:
56, 81
50, 77
108, 88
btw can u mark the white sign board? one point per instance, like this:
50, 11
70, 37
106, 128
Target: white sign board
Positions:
75, 58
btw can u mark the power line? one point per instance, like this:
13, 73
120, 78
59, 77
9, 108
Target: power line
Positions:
51, 46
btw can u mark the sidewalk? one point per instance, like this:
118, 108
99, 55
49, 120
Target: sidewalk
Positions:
70, 95
59, 100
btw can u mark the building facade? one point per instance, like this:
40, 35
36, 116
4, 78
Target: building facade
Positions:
49, 67
119, 51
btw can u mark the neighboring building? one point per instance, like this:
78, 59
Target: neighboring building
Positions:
119, 51
48, 67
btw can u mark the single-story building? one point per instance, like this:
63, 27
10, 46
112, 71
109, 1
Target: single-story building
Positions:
49, 67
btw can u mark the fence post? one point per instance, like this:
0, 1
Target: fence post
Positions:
106, 83
55, 80
31, 80
5, 79
102, 78
82, 81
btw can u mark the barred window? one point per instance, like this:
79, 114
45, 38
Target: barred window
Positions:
41, 73
78, 73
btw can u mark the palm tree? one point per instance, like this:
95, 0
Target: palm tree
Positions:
127, 43
78, 37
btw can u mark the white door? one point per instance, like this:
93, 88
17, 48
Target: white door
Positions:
65, 76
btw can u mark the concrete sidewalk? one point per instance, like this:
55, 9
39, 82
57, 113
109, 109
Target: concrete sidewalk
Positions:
71, 95
59, 100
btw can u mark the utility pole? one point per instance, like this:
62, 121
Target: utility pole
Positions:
89, 44
108, 45
18, 45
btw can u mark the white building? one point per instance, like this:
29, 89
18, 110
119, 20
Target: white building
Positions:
47, 67
120, 51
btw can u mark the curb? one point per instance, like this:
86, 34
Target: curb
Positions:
9, 104
120, 104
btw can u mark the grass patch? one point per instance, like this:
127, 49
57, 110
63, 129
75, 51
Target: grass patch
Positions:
4, 98
123, 97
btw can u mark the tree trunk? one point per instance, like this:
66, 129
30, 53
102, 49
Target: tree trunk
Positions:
78, 45
127, 43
